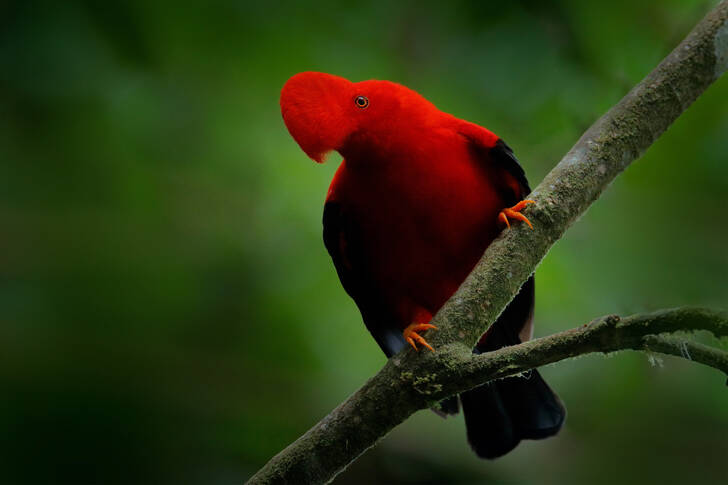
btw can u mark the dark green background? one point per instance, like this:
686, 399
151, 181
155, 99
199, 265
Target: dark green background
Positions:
168, 312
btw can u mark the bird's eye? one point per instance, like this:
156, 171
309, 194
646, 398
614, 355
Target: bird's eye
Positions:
361, 102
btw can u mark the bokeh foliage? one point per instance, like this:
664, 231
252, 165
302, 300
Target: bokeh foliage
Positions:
168, 311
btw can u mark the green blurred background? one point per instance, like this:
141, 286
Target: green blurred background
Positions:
168, 312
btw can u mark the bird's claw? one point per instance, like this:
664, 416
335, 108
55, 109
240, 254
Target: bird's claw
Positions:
410, 334
515, 213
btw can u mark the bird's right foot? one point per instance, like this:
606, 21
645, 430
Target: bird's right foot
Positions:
410, 334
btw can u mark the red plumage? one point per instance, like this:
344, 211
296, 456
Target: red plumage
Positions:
410, 211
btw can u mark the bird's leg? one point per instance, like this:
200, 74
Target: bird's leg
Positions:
410, 334
515, 213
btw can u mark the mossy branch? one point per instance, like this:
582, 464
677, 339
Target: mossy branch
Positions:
606, 334
411, 381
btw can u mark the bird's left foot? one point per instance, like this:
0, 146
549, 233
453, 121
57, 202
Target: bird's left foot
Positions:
515, 213
410, 334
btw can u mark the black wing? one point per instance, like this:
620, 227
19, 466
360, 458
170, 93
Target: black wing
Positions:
342, 239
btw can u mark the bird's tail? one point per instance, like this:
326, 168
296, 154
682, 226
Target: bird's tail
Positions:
501, 413
498, 415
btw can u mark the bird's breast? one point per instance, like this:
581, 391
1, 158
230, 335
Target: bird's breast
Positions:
423, 221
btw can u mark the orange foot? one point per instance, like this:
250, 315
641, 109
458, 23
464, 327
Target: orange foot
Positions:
515, 213
410, 334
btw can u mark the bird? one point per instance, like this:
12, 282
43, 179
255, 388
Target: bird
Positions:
418, 197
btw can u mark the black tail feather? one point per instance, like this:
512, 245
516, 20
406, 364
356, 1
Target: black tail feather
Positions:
535, 410
491, 432
499, 414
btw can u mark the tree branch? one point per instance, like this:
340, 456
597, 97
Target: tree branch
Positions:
605, 334
411, 381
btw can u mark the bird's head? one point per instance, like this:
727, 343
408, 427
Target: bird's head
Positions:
324, 112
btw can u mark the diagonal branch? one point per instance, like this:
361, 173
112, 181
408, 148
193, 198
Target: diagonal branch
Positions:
409, 381
608, 147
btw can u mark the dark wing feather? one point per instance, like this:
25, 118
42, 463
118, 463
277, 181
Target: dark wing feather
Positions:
336, 242
499, 414
341, 238
498, 161
502, 155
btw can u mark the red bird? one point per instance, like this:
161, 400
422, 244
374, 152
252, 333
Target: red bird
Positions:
418, 198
